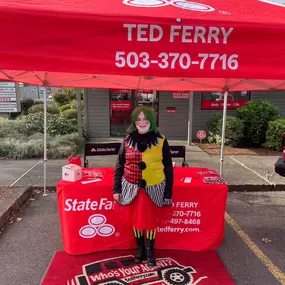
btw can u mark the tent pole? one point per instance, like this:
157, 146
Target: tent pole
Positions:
45, 141
223, 131
79, 115
190, 118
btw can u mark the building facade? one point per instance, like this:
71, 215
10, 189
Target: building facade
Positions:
107, 112
28, 91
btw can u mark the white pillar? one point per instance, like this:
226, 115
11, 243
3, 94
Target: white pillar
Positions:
190, 118
223, 131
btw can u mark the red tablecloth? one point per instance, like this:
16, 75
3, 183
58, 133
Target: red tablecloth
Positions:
89, 222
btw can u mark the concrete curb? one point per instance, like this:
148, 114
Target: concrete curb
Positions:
8, 211
256, 188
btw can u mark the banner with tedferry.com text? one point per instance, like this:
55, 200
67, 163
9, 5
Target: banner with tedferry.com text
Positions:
89, 222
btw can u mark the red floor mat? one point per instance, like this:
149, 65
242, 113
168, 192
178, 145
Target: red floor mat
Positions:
117, 268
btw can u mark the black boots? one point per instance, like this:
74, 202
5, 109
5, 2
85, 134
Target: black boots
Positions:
140, 250
150, 252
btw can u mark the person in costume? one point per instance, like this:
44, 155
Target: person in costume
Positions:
143, 180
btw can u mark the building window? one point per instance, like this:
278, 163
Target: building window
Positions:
147, 98
215, 100
121, 106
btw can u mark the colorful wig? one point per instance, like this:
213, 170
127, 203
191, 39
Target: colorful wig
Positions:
149, 114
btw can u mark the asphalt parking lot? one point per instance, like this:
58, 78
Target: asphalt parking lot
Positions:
252, 250
253, 246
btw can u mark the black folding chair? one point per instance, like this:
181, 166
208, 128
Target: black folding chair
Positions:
100, 149
179, 152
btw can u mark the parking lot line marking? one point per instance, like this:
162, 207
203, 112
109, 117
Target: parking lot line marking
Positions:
253, 171
277, 273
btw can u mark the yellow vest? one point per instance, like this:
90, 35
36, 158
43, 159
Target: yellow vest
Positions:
154, 172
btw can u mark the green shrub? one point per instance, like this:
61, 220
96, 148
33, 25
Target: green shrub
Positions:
256, 115
32, 147
74, 104
234, 131
38, 102
59, 125
233, 134
3, 120
70, 114
212, 125
71, 93
52, 109
36, 108
56, 124
64, 146
65, 107
21, 148
32, 123
26, 104
274, 134
60, 98
10, 128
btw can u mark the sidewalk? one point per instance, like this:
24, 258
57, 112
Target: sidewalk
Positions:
239, 170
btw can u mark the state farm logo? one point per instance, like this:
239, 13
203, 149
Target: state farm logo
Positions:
182, 4
103, 149
96, 226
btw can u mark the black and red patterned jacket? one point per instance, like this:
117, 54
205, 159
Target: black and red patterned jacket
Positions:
129, 164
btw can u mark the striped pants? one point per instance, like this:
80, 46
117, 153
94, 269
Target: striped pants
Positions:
149, 234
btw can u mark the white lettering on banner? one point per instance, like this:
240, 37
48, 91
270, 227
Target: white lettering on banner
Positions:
75, 205
187, 204
169, 229
166, 271
187, 214
176, 60
176, 34
102, 149
155, 32
183, 220
184, 34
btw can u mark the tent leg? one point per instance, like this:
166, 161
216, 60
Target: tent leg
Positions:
45, 141
190, 118
79, 116
223, 132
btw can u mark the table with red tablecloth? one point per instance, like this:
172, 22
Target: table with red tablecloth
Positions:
89, 222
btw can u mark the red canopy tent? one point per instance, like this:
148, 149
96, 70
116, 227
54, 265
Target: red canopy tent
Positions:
210, 45
165, 38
